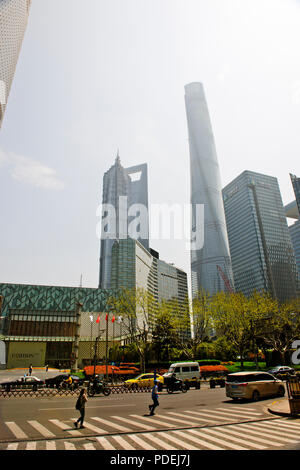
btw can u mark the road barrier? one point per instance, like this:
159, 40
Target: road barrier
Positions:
54, 392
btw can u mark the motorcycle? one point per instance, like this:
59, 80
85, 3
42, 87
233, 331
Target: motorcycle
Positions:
98, 387
176, 386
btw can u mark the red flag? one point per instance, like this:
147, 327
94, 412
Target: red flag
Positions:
113, 319
98, 319
106, 318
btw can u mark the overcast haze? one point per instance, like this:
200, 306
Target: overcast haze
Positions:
98, 75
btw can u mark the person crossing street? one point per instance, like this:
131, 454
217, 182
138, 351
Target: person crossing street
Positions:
154, 394
80, 406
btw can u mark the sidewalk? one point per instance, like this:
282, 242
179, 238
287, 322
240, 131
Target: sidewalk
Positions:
281, 408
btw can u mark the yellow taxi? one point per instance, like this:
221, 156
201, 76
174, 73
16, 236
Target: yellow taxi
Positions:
145, 380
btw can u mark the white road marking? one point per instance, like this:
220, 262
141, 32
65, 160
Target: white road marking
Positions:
121, 441
16, 430
277, 436
196, 440
240, 412
158, 441
50, 445
31, 446
130, 421
12, 446
179, 442
41, 429
207, 413
217, 440
92, 427
105, 443
144, 445
64, 427
89, 447
69, 446
112, 425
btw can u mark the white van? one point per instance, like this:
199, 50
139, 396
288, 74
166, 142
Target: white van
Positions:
186, 371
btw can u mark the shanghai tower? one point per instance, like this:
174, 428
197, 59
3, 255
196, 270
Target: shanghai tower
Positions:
211, 268
13, 21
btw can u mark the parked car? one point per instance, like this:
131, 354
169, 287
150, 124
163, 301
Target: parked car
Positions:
186, 371
56, 381
282, 371
23, 382
253, 385
145, 380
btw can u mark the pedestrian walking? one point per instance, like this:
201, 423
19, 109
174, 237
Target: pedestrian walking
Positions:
80, 406
30, 369
154, 395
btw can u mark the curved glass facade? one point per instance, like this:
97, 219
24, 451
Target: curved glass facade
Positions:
211, 264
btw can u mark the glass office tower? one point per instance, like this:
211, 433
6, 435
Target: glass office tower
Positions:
211, 264
295, 228
260, 244
122, 189
13, 21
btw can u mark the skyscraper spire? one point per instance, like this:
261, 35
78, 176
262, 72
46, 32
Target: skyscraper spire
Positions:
118, 160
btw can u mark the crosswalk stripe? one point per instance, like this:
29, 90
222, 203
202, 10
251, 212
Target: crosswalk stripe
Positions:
273, 435
105, 443
256, 433
12, 446
89, 447
144, 445
234, 432
226, 414
222, 441
50, 445
130, 421
64, 427
215, 418
112, 425
196, 418
69, 446
87, 425
183, 421
155, 420
286, 425
122, 442
196, 440
41, 429
158, 441
16, 430
241, 407
179, 442
31, 446
278, 430
242, 412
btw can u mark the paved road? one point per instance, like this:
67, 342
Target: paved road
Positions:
199, 419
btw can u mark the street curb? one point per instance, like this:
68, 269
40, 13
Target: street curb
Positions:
282, 413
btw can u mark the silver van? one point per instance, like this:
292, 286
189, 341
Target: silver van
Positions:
186, 371
253, 385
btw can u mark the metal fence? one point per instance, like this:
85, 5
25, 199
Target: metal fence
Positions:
54, 392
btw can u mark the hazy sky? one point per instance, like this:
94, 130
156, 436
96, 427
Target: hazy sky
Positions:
97, 75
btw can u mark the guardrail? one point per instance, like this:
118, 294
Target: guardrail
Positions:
54, 392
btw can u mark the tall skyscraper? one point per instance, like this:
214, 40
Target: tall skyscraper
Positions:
296, 185
123, 189
295, 227
135, 267
260, 244
13, 22
211, 264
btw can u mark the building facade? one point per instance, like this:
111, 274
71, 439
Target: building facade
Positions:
125, 191
260, 244
293, 211
295, 237
134, 267
296, 186
206, 190
38, 324
13, 22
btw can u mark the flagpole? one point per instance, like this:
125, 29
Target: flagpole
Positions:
106, 348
